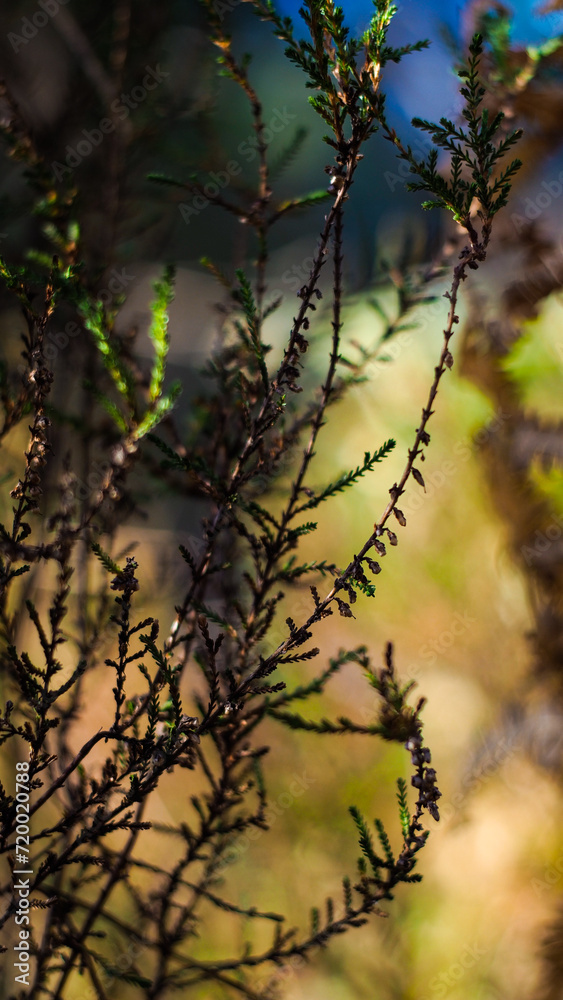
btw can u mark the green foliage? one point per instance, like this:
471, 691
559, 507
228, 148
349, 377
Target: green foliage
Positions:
475, 153
108, 404
385, 842
158, 331
160, 403
344, 70
289, 153
375, 38
158, 411
366, 842
106, 560
291, 572
324, 727
404, 815
121, 975
349, 478
96, 321
495, 26
303, 201
153, 711
251, 314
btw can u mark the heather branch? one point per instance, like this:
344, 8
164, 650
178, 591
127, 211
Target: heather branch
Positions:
114, 877
250, 405
470, 256
269, 409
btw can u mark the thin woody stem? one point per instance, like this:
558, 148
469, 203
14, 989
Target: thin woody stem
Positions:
263, 419
96, 908
471, 255
316, 424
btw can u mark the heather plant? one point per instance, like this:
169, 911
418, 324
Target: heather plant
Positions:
83, 889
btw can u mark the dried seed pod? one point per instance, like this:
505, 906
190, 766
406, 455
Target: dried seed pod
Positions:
418, 476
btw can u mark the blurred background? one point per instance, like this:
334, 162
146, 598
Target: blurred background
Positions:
473, 595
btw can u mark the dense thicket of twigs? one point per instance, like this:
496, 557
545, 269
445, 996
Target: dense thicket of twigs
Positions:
88, 824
